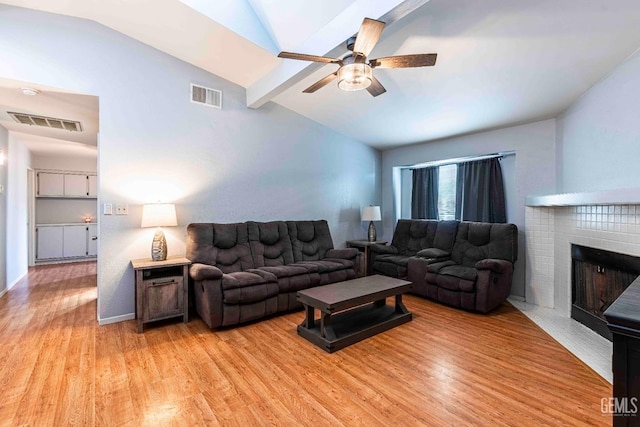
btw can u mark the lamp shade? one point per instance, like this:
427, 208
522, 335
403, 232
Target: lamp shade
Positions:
159, 215
371, 213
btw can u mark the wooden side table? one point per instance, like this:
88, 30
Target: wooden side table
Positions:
363, 247
162, 289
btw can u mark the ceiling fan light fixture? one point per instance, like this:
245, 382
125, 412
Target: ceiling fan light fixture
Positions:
355, 76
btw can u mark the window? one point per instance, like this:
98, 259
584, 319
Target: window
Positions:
447, 191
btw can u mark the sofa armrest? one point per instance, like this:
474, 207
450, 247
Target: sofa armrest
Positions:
495, 265
434, 253
347, 253
199, 271
379, 249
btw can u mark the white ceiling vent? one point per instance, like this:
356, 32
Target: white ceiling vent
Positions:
48, 122
206, 96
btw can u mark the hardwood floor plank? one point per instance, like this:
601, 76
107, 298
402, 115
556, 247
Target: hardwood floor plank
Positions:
446, 367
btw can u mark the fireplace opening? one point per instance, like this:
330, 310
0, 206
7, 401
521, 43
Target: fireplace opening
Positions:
598, 277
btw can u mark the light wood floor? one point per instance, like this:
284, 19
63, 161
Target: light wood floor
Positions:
446, 367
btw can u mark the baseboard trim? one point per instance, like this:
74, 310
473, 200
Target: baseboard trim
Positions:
116, 319
15, 282
3, 292
517, 298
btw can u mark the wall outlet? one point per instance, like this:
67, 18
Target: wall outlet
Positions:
107, 209
122, 209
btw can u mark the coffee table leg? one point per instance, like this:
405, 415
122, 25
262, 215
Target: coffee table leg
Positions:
326, 330
400, 307
309, 320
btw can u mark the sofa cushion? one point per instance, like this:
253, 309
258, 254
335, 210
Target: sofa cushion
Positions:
437, 266
476, 241
285, 270
460, 271
451, 283
224, 245
247, 287
433, 253
270, 243
310, 240
393, 259
326, 266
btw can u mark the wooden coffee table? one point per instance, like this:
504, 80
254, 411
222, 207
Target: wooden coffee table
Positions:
352, 310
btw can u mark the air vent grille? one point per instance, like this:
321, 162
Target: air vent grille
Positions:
48, 122
206, 96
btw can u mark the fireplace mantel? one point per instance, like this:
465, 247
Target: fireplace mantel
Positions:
618, 196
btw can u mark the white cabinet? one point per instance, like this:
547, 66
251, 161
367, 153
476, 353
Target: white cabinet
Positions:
74, 241
49, 241
66, 241
92, 240
76, 185
93, 186
50, 184
73, 185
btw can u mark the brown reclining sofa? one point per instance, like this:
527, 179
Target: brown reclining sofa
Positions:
246, 271
462, 264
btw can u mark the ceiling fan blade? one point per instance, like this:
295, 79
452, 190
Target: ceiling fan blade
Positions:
368, 36
304, 57
405, 61
321, 83
375, 88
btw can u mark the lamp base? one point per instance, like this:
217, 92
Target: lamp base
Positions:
159, 246
371, 233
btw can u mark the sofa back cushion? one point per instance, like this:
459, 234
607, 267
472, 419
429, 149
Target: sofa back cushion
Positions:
224, 245
310, 240
480, 240
413, 235
270, 243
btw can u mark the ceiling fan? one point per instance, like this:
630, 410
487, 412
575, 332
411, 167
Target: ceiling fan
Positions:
356, 72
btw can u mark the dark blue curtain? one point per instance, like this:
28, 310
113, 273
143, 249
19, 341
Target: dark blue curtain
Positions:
424, 195
480, 191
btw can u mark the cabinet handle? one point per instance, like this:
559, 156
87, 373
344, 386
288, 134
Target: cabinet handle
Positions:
94, 237
163, 281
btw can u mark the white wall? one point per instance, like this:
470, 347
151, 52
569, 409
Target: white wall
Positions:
599, 135
534, 169
18, 162
233, 164
4, 146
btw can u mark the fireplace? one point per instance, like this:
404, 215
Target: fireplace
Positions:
598, 277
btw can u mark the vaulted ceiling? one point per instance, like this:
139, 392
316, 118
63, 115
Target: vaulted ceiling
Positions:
499, 63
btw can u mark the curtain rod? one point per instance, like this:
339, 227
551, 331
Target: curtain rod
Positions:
459, 160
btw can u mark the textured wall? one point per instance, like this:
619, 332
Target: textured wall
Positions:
233, 164
599, 136
4, 145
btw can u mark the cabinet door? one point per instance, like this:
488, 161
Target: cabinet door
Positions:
50, 184
93, 186
49, 242
92, 240
163, 298
76, 185
74, 241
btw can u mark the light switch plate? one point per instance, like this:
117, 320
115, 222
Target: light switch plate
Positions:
1, 189
108, 209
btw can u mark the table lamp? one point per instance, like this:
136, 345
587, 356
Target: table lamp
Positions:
371, 213
159, 215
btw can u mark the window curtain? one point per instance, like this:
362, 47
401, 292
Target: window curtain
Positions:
424, 195
480, 191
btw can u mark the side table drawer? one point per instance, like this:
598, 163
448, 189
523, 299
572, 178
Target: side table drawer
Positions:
164, 298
